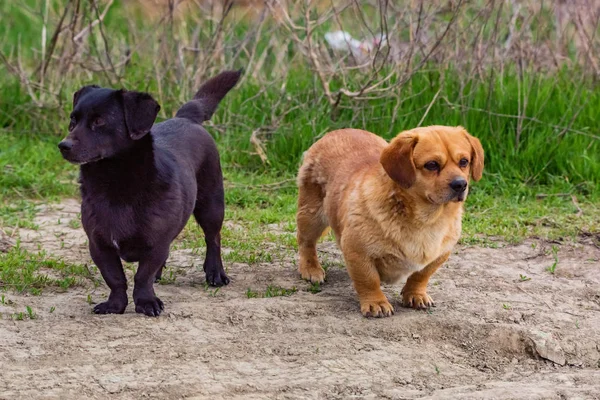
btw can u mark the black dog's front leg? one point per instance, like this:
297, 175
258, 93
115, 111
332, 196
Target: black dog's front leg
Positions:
144, 298
109, 264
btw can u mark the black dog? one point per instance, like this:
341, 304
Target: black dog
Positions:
141, 182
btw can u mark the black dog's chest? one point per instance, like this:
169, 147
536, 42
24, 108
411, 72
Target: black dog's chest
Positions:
116, 226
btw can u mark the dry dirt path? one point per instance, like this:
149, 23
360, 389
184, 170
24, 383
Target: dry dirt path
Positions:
483, 340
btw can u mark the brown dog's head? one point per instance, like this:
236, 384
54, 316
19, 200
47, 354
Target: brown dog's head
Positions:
105, 122
434, 162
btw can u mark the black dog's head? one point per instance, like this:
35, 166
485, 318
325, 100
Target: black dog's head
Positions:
105, 122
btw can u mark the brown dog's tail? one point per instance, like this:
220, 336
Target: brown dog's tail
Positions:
208, 97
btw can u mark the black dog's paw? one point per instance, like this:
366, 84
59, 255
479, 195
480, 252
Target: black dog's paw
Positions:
151, 307
217, 278
111, 307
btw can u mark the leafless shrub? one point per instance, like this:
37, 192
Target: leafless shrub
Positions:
183, 41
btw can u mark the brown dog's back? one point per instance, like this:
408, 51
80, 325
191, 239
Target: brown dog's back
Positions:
328, 168
338, 155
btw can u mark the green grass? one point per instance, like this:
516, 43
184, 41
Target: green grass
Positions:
270, 291
23, 271
549, 147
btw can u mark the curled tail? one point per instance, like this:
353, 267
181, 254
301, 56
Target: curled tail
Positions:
208, 97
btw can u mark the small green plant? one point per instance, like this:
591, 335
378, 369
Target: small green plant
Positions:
75, 223
30, 313
276, 291
577, 323
315, 287
552, 268
89, 299
213, 293
524, 278
437, 369
2, 300
52, 309
18, 316
506, 306
170, 278
271, 291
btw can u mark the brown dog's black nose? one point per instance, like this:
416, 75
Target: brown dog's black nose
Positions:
65, 145
459, 185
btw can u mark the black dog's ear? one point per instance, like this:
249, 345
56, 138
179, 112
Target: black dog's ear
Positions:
82, 91
140, 112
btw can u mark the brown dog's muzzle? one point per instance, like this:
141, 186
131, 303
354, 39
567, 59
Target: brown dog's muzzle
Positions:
459, 188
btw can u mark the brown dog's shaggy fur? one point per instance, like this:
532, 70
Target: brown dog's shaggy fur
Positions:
395, 208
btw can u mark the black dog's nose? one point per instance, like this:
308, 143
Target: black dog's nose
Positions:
65, 145
458, 185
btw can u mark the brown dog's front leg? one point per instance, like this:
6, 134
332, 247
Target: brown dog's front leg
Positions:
367, 283
414, 293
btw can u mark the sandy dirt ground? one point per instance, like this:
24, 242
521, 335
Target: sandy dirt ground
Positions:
491, 335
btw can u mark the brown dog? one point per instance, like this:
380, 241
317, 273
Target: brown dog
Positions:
395, 208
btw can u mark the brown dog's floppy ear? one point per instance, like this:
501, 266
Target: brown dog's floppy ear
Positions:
81, 92
397, 160
140, 111
476, 157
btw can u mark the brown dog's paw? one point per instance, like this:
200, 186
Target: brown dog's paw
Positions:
376, 308
417, 300
313, 274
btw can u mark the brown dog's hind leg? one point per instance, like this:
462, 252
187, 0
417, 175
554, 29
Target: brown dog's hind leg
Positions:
414, 292
367, 283
311, 223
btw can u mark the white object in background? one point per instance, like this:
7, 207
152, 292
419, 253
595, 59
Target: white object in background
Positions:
340, 40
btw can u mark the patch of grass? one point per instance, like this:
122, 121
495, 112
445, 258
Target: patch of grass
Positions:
271, 291
524, 278
75, 223
30, 313
276, 291
552, 268
314, 288
506, 306
23, 271
168, 277
20, 316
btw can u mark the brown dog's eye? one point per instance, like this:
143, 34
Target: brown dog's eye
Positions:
432, 166
463, 163
72, 123
98, 122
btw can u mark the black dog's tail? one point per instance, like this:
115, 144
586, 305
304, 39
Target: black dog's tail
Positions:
209, 96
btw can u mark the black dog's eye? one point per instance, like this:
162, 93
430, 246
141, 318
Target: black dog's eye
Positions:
432, 166
98, 122
72, 123
463, 163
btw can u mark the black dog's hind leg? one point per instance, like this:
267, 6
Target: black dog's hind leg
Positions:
209, 213
159, 273
109, 264
150, 266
